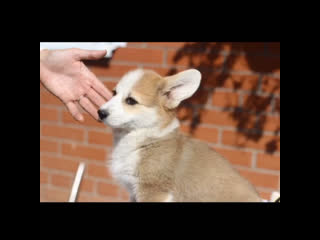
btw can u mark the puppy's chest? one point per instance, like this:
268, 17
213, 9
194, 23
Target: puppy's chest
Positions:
137, 155
124, 163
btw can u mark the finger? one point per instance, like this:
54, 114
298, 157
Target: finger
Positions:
98, 85
94, 97
101, 89
89, 107
82, 54
73, 109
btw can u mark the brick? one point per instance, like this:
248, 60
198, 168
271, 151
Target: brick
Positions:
61, 180
112, 70
204, 48
135, 44
138, 55
95, 170
63, 132
217, 117
225, 99
239, 139
202, 133
88, 121
268, 161
236, 157
271, 85
57, 195
269, 123
263, 64
42, 194
257, 103
260, 179
240, 120
48, 98
264, 195
245, 47
95, 137
110, 85
277, 107
274, 48
195, 59
238, 63
106, 189
43, 177
86, 185
48, 146
124, 194
59, 163
90, 198
244, 82
48, 114
230, 81
82, 151
166, 44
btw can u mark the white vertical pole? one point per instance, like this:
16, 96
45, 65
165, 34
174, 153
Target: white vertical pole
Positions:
77, 182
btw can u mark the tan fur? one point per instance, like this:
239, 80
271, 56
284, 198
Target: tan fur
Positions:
190, 170
178, 166
146, 90
149, 91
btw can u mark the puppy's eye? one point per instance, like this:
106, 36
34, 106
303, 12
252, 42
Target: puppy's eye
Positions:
114, 92
131, 101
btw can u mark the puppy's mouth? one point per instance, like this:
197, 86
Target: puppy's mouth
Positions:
104, 121
108, 122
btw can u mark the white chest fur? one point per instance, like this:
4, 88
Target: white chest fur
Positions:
126, 157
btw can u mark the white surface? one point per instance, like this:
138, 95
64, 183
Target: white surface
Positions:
109, 46
76, 184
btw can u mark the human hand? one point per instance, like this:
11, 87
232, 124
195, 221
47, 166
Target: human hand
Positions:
64, 74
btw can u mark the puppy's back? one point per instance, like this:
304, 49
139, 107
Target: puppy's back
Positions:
219, 181
192, 172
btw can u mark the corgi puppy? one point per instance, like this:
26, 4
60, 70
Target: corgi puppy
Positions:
151, 158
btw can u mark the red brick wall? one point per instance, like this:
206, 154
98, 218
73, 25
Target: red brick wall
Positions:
236, 111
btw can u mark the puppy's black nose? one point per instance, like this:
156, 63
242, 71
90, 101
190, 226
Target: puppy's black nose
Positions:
102, 114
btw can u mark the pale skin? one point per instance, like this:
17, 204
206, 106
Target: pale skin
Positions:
64, 74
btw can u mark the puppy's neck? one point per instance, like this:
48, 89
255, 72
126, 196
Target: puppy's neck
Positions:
137, 136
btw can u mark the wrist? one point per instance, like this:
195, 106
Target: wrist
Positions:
44, 73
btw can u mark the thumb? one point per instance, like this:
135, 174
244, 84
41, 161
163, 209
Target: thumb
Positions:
90, 54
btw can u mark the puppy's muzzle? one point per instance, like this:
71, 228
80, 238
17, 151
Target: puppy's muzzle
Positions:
103, 114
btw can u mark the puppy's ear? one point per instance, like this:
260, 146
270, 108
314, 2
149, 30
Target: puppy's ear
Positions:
180, 86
